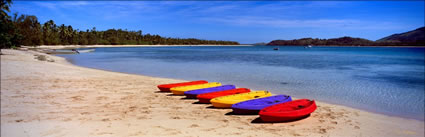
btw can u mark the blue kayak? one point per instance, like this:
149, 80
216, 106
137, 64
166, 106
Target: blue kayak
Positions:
194, 93
255, 105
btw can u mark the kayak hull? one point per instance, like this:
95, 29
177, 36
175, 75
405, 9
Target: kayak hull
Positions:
180, 90
273, 119
288, 111
204, 101
194, 93
254, 106
191, 96
228, 101
167, 87
205, 98
221, 104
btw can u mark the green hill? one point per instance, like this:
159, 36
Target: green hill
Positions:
411, 38
343, 41
414, 36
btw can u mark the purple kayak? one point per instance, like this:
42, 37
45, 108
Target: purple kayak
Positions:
254, 106
193, 93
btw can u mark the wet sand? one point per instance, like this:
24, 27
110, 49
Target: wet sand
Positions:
45, 95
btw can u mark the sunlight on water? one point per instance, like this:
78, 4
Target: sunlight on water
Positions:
384, 80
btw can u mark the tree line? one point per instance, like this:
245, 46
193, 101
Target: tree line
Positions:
26, 30
344, 41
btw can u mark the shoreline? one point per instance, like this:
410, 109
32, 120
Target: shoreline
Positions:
99, 46
343, 46
102, 90
118, 46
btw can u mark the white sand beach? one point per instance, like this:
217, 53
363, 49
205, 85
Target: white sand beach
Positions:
56, 98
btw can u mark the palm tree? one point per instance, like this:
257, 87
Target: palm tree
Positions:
4, 6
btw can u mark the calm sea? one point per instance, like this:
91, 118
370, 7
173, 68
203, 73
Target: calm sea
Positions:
378, 79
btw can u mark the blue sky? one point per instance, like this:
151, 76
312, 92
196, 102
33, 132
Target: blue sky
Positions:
242, 21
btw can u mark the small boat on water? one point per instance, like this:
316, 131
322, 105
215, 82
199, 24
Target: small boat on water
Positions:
58, 51
254, 106
228, 101
166, 87
180, 90
193, 93
288, 111
206, 97
275, 48
85, 50
66, 51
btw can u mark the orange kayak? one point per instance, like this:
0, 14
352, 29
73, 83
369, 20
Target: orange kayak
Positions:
167, 87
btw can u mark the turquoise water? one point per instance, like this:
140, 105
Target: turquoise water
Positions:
378, 79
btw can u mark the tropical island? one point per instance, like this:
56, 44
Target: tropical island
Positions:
411, 38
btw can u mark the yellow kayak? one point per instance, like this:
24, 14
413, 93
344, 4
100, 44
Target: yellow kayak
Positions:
180, 90
228, 101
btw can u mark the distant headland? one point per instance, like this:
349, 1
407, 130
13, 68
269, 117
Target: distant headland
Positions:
411, 38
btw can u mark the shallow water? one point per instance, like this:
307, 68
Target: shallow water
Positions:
378, 79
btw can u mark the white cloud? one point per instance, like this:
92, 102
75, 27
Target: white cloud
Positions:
267, 14
51, 6
73, 3
297, 23
64, 4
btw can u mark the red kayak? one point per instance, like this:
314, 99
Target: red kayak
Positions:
166, 87
205, 98
288, 111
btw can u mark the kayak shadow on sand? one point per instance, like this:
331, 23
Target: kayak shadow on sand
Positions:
212, 107
162, 92
175, 95
197, 102
234, 114
185, 98
259, 121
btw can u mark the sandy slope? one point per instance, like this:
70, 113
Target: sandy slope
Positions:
40, 98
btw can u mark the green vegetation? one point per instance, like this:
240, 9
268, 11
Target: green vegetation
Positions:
344, 41
411, 38
9, 36
414, 37
26, 30
260, 44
